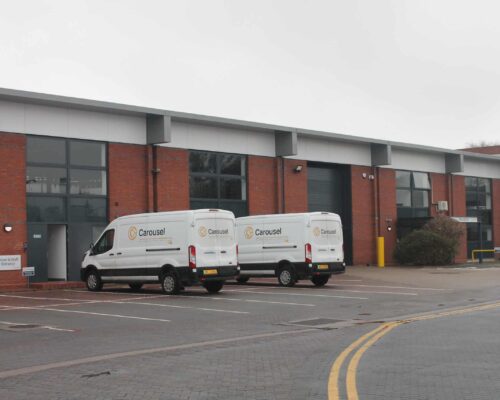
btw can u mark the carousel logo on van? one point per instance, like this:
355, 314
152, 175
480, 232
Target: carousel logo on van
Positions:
268, 232
328, 231
202, 231
316, 231
132, 233
248, 232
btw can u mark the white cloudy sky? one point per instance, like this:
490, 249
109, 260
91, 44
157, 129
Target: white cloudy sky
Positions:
419, 71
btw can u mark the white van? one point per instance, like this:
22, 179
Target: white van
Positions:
177, 249
290, 247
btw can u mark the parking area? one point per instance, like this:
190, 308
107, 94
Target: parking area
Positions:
257, 340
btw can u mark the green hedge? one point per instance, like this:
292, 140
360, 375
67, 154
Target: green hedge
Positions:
424, 247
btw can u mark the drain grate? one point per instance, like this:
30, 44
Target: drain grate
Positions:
316, 321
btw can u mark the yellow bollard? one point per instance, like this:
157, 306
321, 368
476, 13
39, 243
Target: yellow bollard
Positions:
380, 252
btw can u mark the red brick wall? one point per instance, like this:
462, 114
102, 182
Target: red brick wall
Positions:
13, 204
262, 185
496, 211
386, 186
457, 209
172, 182
485, 150
127, 179
439, 184
295, 186
363, 217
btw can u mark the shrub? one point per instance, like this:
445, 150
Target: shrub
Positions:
425, 247
448, 228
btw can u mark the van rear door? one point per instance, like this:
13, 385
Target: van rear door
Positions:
215, 243
326, 240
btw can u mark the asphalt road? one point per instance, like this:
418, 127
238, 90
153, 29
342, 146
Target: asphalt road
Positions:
371, 333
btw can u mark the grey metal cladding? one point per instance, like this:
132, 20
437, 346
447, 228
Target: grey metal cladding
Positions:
285, 143
454, 163
381, 154
158, 129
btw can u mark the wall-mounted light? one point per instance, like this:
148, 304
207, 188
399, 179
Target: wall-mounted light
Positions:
7, 227
297, 169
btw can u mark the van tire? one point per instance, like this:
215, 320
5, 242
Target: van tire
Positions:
320, 280
135, 286
242, 279
93, 280
286, 276
214, 287
170, 283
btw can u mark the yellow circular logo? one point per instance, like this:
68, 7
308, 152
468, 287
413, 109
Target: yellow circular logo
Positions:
249, 232
202, 231
132, 232
316, 231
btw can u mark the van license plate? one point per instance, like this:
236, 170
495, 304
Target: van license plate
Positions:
323, 266
209, 272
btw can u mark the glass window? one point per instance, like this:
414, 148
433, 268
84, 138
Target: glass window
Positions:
420, 199
478, 202
483, 185
203, 187
217, 179
403, 179
87, 182
232, 188
87, 210
421, 180
91, 154
232, 164
105, 243
46, 150
46, 209
470, 182
203, 162
45, 180
403, 198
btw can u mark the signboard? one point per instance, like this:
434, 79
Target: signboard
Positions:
466, 220
8, 263
29, 271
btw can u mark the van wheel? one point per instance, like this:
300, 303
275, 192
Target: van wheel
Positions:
242, 279
135, 286
320, 280
170, 283
93, 281
286, 277
214, 287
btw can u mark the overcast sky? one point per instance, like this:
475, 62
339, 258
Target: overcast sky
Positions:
416, 71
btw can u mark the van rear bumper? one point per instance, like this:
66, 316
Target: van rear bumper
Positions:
207, 274
314, 269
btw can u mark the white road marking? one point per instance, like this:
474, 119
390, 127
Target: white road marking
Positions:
391, 287
38, 298
253, 301
302, 294
52, 328
102, 314
177, 306
337, 290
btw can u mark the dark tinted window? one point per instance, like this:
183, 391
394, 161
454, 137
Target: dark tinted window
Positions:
46, 209
105, 243
203, 162
232, 189
46, 150
203, 187
45, 180
87, 182
231, 164
87, 210
412, 194
89, 154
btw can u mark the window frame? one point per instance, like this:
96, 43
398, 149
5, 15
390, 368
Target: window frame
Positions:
94, 252
68, 166
219, 177
412, 211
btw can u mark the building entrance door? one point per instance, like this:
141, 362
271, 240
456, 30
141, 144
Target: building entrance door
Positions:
56, 252
37, 251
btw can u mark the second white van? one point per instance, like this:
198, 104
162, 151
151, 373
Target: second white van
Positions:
290, 247
176, 249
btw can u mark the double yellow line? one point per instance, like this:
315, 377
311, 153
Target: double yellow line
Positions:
366, 341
